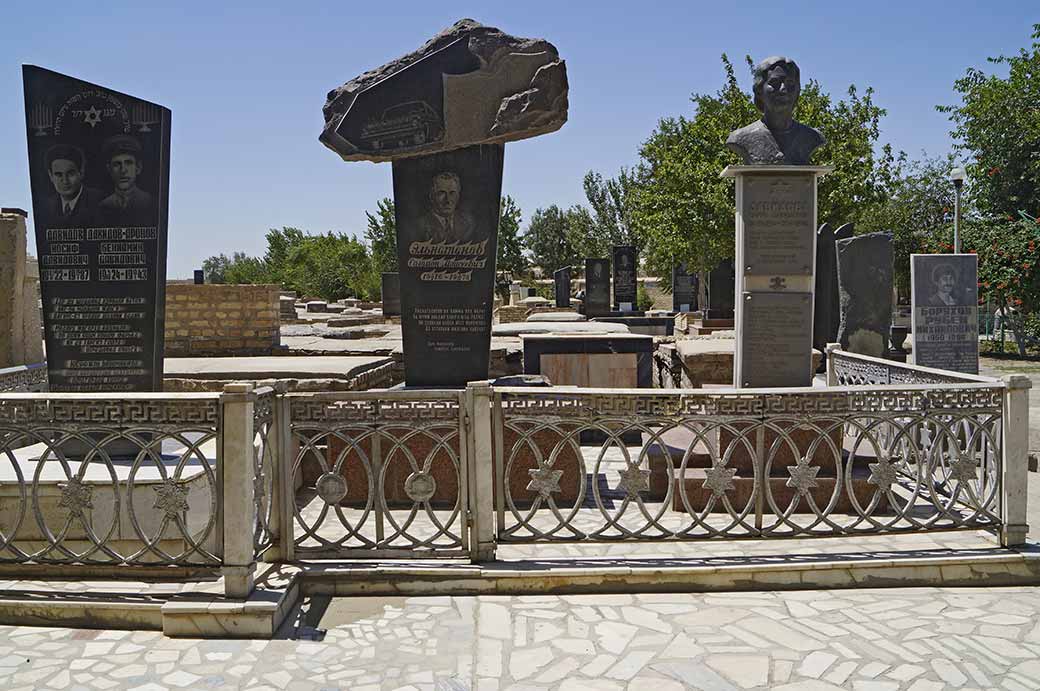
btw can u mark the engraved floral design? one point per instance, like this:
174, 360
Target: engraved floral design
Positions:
76, 497
171, 497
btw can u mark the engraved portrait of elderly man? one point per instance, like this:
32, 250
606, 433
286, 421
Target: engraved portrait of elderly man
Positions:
445, 221
777, 138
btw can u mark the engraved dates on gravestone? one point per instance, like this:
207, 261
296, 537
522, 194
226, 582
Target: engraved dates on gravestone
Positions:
470, 84
624, 277
597, 287
391, 294
777, 339
684, 289
562, 286
778, 217
99, 173
945, 311
446, 210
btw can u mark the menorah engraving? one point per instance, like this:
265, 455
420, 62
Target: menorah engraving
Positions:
145, 114
41, 119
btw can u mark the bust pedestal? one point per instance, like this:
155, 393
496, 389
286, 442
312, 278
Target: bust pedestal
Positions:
775, 273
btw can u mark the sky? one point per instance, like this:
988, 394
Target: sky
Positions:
246, 83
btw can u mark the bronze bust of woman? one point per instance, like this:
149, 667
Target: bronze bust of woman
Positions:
776, 139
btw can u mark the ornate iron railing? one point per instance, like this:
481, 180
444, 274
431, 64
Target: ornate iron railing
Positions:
378, 474
852, 369
24, 378
264, 470
96, 479
612, 465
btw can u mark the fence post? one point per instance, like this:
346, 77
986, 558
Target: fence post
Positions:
236, 461
1015, 459
832, 375
481, 466
281, 487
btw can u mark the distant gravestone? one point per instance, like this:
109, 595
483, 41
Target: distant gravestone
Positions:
597, 287
865, 293
827, 314
625, 262
945, 318
99, 172
684, 289
200, 277
562, 286
391, 294
442, 114
721, 287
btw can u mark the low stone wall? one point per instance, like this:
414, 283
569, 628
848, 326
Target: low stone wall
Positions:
222, 320
21, 336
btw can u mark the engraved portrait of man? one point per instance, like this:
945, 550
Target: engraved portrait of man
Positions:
74, 204
944, 283
128, 203
446, 221
777, 138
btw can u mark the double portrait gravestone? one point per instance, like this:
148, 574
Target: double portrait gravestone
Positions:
562, 286
945, 317
99, 163
442, 115
390, 294
776, 234
684, 289
865, 293
625, 261
597, 287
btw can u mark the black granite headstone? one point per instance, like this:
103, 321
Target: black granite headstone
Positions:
200, 277
597, 287
945, 319
777, 339
99, 164
684, 289
865, 293
391, 294
562, 286
721, 286
624, 278
827, 315
446, 209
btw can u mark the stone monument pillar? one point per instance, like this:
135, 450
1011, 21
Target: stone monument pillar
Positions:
442, 115
562, 287
775, 268
32, 315
12, 282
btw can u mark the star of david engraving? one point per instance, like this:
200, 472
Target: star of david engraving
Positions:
544, 481
171, 498
779, 188
634, 481
803, 476
92, 117
76, 497
719, 479
778, 283
884, 474
964, 469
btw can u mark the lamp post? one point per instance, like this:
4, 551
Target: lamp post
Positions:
957, 175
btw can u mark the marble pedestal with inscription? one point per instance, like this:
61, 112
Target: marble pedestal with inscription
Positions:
775, 273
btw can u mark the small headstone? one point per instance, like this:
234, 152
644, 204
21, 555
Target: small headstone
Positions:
514, 293
317, 306
721, 287
391, 292
597, 287
99, 172
562, 286
865, 293
945, 319
625, 264
200, 277
684, 289
827, 315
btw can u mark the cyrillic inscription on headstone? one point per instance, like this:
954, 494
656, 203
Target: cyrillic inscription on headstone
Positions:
99, 172
777, 339
778, 215
945, 320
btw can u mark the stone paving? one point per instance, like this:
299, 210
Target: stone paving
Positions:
869, 640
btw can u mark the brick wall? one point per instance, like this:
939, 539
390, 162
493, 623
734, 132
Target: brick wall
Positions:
204, 320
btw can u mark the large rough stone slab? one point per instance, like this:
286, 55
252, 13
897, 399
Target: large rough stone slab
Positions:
470, 84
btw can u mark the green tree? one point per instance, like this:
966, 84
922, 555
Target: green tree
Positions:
331, 266
611, 204
684, 212
998, 125
381, 236
510, 243
279, 245
214, 268
551, 236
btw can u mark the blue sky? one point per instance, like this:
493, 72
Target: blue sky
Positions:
246, 83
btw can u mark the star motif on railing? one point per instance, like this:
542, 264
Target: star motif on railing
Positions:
964, 469
76, 497
803, 476
634, 481
171, 497
544, 481
719, 479
884, 473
